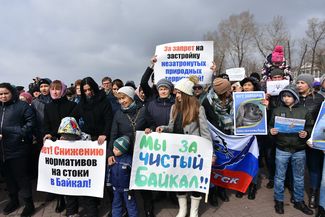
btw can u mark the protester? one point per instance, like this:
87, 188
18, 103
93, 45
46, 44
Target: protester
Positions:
290, 147
17, 122
236, 87
117, 84
158, 105
77, 97
26, 97
276, 60
199, 92
107, 85
59, 108
314, 158
139, 97
252, 84
120, 172
69, 130
269, 145
38, 105
218, 106
96, 112
71, 93
127, 120
187, 117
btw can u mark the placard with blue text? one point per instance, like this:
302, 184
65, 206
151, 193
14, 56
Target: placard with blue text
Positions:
181, 59
171, 162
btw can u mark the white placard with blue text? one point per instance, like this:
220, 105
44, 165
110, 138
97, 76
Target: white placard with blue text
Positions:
318, 133
181, 59
72, 168
171, 162
249, 113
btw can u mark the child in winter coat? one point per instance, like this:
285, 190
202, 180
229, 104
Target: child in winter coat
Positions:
120, 173
290, 147
69, 130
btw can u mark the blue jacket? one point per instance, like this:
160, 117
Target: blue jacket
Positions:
158, 110
120, 172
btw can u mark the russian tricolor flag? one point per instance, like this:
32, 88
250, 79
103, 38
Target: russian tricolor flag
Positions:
237, 160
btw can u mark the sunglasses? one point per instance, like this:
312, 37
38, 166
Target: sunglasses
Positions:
197, 88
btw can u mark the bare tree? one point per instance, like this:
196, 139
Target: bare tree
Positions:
272, 34
238, 31
315, 34
220, 50
303, 54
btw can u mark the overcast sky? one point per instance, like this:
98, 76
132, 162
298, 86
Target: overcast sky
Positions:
71, 39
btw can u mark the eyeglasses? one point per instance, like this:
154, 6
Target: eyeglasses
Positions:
197, 88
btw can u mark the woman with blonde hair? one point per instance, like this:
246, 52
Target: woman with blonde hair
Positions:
187, 117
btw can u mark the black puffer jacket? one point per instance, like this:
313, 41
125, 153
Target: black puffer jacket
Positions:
312, 103
96, 112
16, 126
122, 125
54, 112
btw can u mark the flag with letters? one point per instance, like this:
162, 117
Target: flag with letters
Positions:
237, 160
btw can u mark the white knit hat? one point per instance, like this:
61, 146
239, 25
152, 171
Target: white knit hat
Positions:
186, 85
127, 90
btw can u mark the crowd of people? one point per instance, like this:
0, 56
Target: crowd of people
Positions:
113, 111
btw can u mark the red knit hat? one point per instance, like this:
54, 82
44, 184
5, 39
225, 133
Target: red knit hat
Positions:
277, 54
27, 96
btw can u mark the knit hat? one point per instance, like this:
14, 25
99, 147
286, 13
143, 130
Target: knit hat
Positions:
255, 75
44, 81
165, 83
292, 90
122, 144
127, 90
221, 86
186, 85
27, 96
130, 84
308, 78
19, 88
253, 80
277, 71
316, 84
69, 125
277, 54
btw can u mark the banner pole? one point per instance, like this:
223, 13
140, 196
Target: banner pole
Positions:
207, 195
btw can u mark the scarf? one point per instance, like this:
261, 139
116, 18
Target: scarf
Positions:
224, 113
